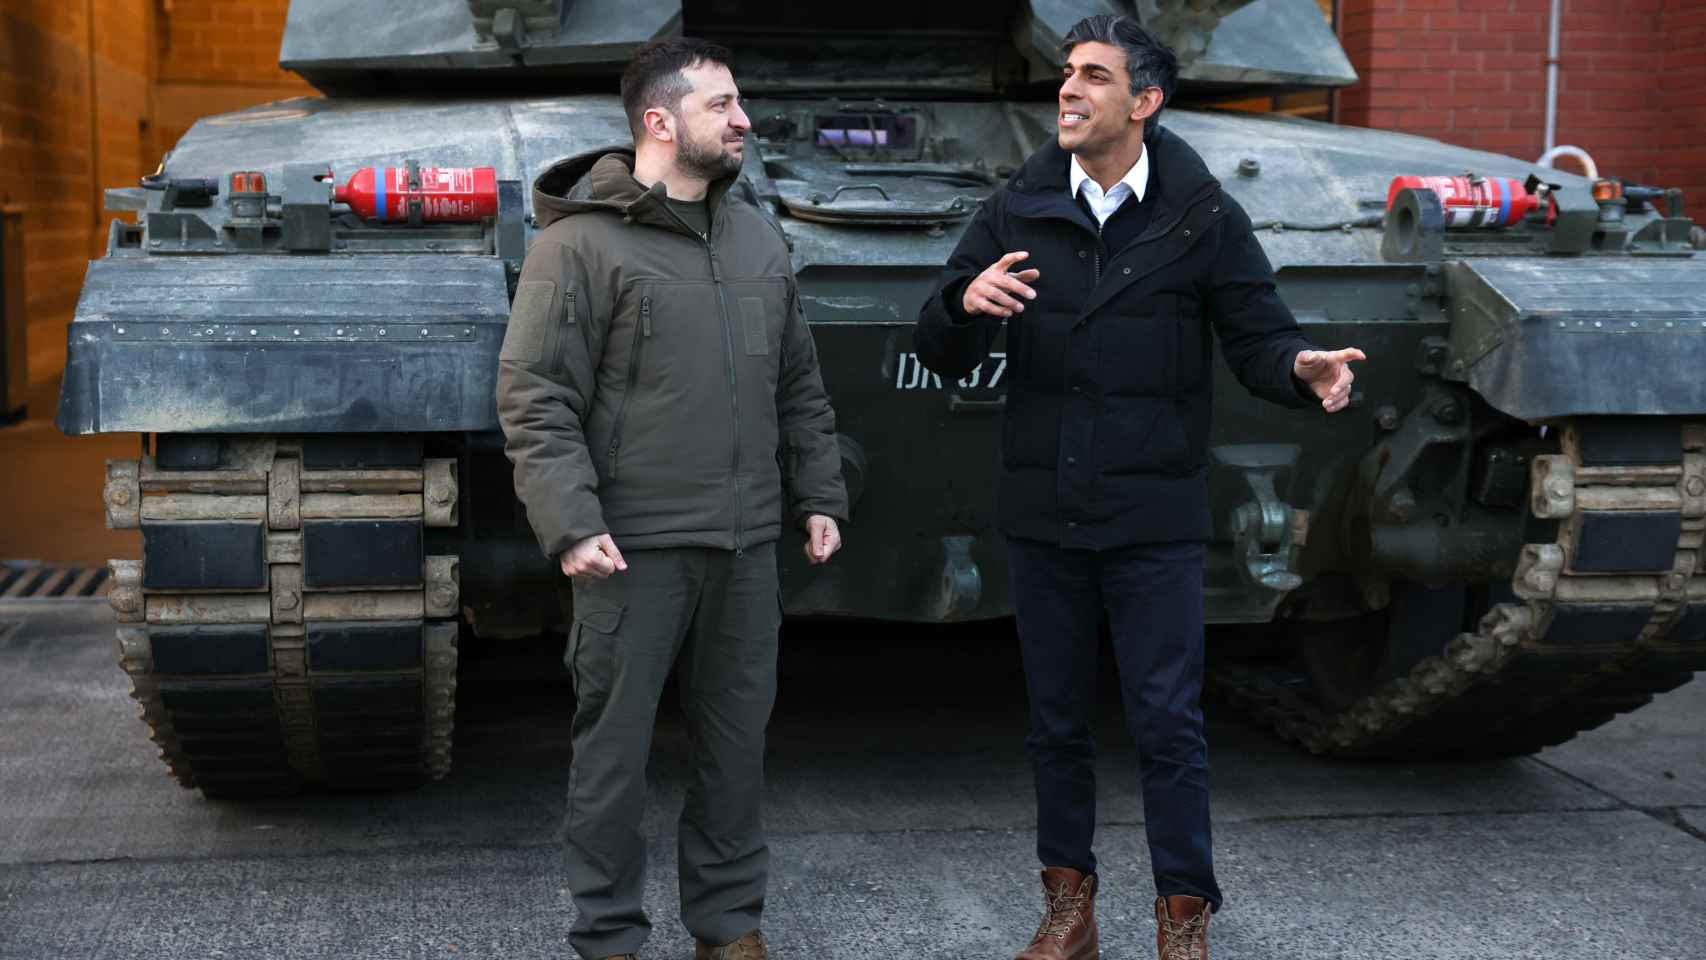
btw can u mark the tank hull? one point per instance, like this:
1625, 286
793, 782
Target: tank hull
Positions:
1398, 549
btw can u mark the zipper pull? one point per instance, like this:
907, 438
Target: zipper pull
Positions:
645, 316
614, 444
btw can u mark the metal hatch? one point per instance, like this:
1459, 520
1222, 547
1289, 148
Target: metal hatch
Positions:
880, 194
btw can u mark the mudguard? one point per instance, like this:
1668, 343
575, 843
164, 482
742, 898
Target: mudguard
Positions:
1545, 338
270, 344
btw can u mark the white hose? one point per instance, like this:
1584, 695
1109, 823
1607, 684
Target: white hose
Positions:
1565, 150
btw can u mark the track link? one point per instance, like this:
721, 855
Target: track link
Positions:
1611, 613
284, 627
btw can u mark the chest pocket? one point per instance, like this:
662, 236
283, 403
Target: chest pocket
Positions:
758, 311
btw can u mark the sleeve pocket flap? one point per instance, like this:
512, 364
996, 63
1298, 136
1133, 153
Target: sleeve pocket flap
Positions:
529, 322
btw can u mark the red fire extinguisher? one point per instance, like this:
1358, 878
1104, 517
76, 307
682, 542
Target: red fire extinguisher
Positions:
443, 194
1470, 201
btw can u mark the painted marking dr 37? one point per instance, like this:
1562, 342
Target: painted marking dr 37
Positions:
909, 374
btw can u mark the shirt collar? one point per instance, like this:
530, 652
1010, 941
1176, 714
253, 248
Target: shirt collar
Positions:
1137, 178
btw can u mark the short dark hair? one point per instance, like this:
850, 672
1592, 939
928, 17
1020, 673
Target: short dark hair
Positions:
1150, 62
653, 77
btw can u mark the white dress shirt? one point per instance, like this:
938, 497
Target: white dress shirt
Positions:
1102, 204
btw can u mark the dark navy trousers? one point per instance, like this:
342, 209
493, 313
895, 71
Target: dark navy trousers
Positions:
1151, 596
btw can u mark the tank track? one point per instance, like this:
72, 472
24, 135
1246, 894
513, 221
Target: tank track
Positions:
278, 632
1610, 614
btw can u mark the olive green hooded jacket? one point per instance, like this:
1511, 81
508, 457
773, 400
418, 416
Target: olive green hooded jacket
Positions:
657, 385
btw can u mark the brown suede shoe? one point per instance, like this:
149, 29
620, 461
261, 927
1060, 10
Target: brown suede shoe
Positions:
1181, 928
749, 947
1068, 930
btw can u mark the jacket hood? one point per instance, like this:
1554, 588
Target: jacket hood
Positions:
603, 180
1176, 170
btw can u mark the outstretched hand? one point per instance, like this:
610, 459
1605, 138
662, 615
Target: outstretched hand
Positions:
1328, 373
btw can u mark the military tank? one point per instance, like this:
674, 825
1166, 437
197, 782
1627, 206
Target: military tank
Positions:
1497, 546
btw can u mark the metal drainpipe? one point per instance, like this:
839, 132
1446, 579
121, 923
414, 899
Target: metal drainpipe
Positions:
1553, 150
1552, 76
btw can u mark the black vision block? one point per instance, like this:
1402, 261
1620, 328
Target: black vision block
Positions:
210, 650
1609, 542
1629, 441
390, 645
361, 451
204, 555
361, 553
1598, 624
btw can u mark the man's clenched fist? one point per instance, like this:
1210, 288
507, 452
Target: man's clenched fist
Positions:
823, 538
595, 557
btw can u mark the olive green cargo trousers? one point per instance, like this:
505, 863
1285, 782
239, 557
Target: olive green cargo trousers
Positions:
714, 615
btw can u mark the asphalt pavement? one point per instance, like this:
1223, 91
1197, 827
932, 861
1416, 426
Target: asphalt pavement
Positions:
899, 805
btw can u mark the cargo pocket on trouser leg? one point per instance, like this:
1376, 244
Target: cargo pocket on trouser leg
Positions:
589, 657
591, 636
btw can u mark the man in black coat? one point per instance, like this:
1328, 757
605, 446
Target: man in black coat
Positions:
1131, 253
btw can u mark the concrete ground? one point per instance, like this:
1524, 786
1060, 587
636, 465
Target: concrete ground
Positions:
900, 809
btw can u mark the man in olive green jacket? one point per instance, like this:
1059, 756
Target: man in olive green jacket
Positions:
660, 395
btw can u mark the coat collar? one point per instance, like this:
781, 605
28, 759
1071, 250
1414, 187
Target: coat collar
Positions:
1041, 188
603, 179
1136, 179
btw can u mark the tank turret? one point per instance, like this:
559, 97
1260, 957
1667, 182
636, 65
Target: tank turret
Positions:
886, 46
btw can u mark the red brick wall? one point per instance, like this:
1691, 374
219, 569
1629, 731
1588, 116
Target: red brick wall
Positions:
92, 93
74, 101
1681, 133
1473, 72
217, 56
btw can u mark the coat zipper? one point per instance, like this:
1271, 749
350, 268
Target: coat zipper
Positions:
729, 365
734, 395
640, 337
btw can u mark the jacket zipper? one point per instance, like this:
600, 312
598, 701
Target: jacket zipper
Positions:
729, 365
557, 359
640, 337
734, 395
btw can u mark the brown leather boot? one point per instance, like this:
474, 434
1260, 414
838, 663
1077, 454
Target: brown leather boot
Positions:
1068, 930
1181, 928
749, 947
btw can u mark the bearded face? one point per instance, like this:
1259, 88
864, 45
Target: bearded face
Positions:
710, 124
708, 156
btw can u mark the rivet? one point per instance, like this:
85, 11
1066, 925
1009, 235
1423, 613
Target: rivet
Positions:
1187, 233
296, 333
1082, 254
382, 331
120, 329
253, 332
1128, 270
423, 331
340, 331
165, 331
1598, 323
